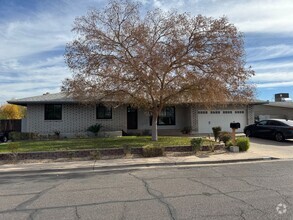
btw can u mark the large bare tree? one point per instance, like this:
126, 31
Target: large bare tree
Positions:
153, 59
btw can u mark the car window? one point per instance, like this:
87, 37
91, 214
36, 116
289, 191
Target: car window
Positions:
265, 122
276, 123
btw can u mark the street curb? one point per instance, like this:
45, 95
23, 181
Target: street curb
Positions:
143, 165
188, 163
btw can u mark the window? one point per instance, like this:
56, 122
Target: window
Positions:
103, 112
239, 112
53, 112
276, 123
166, 117
202, 112
215, 112
227, 112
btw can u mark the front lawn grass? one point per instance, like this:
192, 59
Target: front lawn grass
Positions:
95, 143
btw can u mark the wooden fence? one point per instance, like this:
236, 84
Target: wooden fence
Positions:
10, 125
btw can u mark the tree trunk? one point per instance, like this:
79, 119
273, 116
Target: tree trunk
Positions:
155, 127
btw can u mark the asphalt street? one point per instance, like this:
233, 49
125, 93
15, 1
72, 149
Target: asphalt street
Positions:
232, 191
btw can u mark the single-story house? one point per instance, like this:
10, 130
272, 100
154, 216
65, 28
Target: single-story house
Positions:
57, 112
283, 110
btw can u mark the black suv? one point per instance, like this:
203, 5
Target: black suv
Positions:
278, 129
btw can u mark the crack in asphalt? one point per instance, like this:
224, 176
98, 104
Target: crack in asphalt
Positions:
241, 215
32, 214
19, 194
77, 216
265, 188
23, 205
120, 201
170, 208
225, 194
159, 196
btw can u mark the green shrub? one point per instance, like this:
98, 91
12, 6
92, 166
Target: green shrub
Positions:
152, 151
242, 143
229, 143
216, 131
186, 130
225, 136
19, 136
196, 143
95, 128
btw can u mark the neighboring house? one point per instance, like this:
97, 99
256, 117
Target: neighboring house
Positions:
57, 112
282, 110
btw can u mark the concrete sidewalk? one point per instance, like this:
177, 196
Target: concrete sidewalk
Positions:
132, 162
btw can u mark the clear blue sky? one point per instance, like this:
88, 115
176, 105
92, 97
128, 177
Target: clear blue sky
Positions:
33, 35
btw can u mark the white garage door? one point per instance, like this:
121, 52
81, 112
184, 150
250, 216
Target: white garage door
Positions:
208, 119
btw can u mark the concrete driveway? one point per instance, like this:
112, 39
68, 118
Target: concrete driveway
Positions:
271, 148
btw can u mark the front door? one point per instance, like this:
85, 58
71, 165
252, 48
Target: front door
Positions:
131, 118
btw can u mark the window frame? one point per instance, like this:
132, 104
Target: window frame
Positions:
158, 120
104, 110
54, 118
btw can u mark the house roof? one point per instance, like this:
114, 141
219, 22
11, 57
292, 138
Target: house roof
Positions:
45, 98
280, 104
62, 98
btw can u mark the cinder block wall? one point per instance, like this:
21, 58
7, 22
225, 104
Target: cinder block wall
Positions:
75, 119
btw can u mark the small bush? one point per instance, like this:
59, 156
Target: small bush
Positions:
196, 143
216, 131
14, 148
95, 128
19, 136
152, 151
242, 143
209, 143
126, 149
186, 130
225, 136
95, 155
229, 143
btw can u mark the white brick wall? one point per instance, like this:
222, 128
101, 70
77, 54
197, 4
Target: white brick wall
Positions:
194, 118
75, 119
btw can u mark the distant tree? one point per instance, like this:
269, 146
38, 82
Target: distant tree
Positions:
9, 111
155, 59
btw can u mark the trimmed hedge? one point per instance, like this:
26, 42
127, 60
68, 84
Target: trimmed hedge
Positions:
243, 143
225, 137
196, 143
152, 151
19, 136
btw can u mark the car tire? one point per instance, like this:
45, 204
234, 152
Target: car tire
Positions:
279, 137
248, 133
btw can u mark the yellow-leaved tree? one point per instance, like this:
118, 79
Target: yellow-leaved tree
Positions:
8, 111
